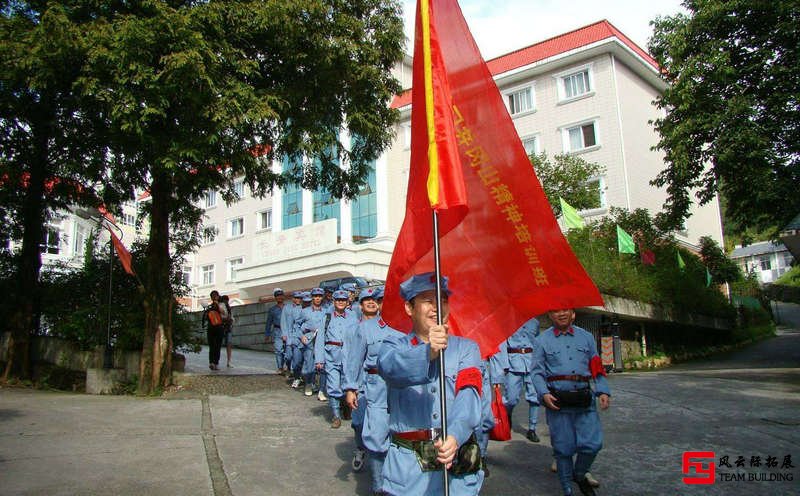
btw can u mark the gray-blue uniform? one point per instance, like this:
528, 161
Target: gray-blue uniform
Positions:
493, 370
361, 375
288, 316
312, 324
562, 362
273, 329
329, 350
520, 349
413, 400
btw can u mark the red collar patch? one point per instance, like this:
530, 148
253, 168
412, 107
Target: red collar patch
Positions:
569, 330
381, 323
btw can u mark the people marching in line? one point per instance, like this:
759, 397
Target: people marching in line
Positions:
389, 381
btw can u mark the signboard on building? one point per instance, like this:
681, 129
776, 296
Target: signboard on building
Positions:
270, 247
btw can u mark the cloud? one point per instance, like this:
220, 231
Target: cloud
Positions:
502, 27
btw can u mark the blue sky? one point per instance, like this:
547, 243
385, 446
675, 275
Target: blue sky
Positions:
501, 26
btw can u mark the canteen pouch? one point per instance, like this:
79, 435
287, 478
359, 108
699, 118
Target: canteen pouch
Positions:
468, 458
579, 398
424, 450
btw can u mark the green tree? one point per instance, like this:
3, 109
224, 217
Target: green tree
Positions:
722, 268
197, 94
732, 120
568, 176
49, 151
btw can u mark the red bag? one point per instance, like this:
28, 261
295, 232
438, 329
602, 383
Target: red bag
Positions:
502, 428
214, 318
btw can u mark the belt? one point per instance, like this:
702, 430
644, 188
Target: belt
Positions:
578, 378
520, 350
372, 371
334, 343
418, 435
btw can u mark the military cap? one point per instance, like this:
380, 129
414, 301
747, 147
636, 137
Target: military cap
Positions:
340, 294
277, 292
317, 292
366, 293
415, 285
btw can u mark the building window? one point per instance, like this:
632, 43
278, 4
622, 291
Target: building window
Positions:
531, 145
238, 188
576, 84
406, 132
292, 198
233, 264
787, 259
325, 205
186, 275
128, 219
765, 262
236, 227
52, 241
265, 219
520, 101
209, 235
364, 210
580, 137
208, 274
79, 240
211, 198
598, 191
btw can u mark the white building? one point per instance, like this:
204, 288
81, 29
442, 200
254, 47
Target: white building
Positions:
767, 260
587, 92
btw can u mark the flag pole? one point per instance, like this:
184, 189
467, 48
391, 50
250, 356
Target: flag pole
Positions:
439, 321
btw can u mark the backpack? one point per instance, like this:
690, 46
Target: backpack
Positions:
212, 316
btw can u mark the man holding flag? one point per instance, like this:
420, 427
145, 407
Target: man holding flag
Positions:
408, 365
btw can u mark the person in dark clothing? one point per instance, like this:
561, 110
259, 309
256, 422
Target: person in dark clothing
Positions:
214, 331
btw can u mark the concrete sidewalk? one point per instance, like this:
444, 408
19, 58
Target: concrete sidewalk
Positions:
251, 434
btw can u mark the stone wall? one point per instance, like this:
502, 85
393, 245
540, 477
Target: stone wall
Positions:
248, 327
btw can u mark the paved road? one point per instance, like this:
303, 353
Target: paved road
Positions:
275, 441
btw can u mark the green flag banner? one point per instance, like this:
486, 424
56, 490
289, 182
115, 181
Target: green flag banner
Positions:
625, 242
572, 219
681, 265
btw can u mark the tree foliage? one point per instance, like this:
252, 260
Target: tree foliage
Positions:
567, 176
198, 94
732, 123
722, 268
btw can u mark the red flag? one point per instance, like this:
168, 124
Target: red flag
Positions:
122, 252
648, 257
500, 243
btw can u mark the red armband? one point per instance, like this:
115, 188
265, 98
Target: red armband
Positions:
469, 377
596, 367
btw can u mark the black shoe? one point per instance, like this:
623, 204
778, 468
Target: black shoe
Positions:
585, 487
532, 437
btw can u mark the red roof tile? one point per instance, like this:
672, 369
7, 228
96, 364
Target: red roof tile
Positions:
562, 43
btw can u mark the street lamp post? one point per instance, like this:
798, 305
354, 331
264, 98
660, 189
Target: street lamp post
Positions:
105, 222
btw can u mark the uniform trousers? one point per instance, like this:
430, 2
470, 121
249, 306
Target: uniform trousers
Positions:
574, 431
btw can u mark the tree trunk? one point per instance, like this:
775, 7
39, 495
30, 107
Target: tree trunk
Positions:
155, 367
26, 319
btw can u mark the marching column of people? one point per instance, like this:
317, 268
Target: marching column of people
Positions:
390, 381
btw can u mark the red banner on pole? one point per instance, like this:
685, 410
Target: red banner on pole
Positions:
500, 243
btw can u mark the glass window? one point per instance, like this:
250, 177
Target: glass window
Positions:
580, 137
531, 145
364, 210
292, 209
186, 275
520, 101
236, 227
325, 205
598, 192
79, 240
128, 219
265, 219
576, 84
765, 262
238, 188
52, 241
233, 264
211, 198
209, 235
208, 274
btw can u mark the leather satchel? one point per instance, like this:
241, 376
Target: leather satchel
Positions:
578, 398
